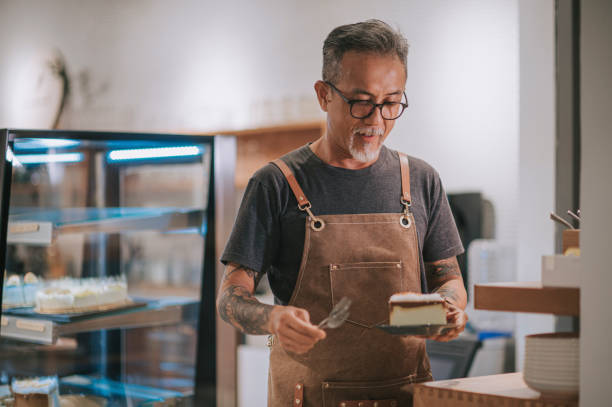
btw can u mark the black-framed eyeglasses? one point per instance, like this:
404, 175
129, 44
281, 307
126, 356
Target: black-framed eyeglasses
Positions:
362, 109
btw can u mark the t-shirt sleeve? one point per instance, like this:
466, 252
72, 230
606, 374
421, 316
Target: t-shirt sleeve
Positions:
442, 238
254, 240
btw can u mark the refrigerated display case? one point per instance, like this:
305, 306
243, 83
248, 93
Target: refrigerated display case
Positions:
149, 212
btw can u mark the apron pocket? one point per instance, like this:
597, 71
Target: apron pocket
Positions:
369, 286
387, 391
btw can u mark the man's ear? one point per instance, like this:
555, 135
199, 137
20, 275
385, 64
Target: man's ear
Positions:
323, 94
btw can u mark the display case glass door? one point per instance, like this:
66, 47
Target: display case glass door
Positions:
106, 264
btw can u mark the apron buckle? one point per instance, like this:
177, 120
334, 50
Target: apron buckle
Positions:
316, 224
405, 220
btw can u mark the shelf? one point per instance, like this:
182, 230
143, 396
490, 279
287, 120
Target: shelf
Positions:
257, 147
45, 330
527, 297
39, 226
502, 390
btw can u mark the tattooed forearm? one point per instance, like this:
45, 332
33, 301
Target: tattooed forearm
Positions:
441, 271
448, 292
236, 303
454, 292
444, 278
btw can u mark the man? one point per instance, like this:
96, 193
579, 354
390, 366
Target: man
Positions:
345, 217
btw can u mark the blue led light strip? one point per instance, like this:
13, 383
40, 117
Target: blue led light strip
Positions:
49, 158
151, 153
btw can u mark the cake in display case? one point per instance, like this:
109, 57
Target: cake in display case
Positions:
109, 244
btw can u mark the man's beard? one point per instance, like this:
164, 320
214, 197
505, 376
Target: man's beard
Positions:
367, 151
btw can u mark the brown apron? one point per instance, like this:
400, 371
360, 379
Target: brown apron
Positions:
367, 258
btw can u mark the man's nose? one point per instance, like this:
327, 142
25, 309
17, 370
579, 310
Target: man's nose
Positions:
375, 117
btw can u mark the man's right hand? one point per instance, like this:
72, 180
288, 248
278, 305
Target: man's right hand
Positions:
293, 329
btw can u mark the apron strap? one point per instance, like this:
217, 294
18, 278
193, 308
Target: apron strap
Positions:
405, 170
303, 202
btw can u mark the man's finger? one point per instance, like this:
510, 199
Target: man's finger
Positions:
307, 328
298, 335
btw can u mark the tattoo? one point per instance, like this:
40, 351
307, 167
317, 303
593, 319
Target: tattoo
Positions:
441, 271
238, 306
449, 293
251, 273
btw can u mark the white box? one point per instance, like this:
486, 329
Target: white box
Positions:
561, 271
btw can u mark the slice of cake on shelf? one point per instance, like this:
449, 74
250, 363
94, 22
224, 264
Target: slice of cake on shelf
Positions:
412, 309
18, 292
31, 284
12, 292
35, 392
82, 295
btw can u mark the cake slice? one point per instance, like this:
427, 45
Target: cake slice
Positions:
36, 392
410, 309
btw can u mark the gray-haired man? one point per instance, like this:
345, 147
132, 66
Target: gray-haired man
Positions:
345, 217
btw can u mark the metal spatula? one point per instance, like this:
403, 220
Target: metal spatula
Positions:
338, 314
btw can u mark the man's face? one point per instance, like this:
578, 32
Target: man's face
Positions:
364, 76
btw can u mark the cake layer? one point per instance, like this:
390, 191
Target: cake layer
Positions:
410, 309
433, 314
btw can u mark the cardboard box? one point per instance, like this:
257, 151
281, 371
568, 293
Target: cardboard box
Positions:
561, 271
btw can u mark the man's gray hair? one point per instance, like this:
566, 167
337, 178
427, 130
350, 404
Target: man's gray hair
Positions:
367, 36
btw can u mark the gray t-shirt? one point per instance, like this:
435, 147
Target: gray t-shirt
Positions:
268, 235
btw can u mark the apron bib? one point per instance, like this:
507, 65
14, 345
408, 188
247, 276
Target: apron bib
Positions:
367, 258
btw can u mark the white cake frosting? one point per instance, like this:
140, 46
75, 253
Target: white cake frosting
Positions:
38, 385
73, 295
415, 297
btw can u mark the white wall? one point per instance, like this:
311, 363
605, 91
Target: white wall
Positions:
193, 65
536, 197
595, 198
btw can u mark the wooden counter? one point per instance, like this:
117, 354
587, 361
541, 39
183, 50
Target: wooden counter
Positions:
503, 390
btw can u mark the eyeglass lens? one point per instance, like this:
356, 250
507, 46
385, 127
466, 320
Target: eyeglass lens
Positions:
389, 111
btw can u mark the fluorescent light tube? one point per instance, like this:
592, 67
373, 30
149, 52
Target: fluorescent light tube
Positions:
151, 153
49, 158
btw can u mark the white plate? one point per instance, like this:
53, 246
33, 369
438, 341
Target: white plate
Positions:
553, 389
553, 383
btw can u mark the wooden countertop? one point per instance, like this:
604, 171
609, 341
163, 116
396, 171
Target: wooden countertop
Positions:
504, 390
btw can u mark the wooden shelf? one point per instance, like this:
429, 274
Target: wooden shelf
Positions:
505, 390
257, 147
527, 297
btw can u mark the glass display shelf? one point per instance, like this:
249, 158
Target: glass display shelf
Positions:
39, 226
27, 325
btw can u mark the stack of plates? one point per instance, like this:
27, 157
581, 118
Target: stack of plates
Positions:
552, 363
